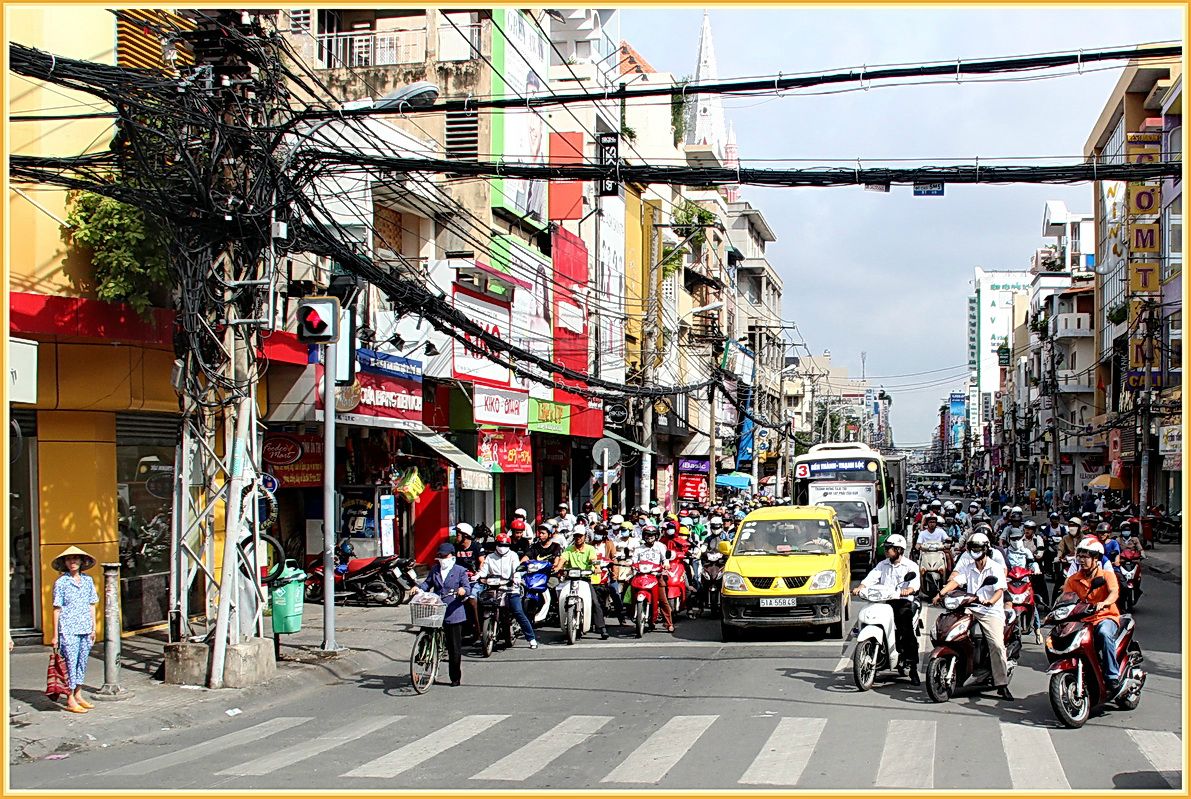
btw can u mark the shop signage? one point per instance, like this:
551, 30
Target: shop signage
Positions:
500, 407
296, 460
549, 417
692, 487
616, 414
1087, 468
1170, 439
694, 465
928, 189
1116, 467
386, 392
505, 451
1135, 379
1173, 463
471, 361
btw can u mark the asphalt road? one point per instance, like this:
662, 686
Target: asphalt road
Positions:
673, 712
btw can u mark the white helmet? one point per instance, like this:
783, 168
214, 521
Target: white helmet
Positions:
520, 512
978, 538
1091, 545
616, 519
949, 505
1016, 509
896, 540
463, 528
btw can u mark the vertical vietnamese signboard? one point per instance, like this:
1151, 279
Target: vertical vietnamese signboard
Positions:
520, 68
532, 311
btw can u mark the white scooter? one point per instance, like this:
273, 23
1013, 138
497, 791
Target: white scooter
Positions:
876, 640
574, 603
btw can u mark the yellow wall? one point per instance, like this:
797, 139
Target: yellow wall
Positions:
76, 462
89, 32
634, 260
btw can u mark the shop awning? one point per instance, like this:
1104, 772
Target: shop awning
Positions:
734, 480
458, 457
627, 442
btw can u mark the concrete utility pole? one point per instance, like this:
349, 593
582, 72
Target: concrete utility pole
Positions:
1143, 495
330, 366
1056, 469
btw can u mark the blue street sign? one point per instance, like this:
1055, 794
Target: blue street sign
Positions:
928, 189
268, 482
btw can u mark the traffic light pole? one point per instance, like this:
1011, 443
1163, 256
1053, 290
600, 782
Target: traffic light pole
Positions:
330, 367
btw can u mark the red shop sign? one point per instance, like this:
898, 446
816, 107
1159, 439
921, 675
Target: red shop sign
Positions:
295, 460
505, 451
692, 486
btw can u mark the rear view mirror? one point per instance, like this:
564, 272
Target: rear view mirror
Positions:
1098, 582
989, 580
724, 548
910, 577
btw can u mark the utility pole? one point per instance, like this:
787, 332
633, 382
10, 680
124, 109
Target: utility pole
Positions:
715, 442
1143, 497
1056, 469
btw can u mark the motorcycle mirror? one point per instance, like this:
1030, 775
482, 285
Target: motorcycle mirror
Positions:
989, 580
910, 577
1098, 582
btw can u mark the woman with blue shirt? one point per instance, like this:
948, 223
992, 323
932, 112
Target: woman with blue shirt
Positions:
75, 606
449, 581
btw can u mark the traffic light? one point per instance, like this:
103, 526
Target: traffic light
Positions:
318, 320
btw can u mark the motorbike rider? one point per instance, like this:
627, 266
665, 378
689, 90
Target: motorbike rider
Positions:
893, 572
503, 563
469, 553
1054, 527
1106, 618
932, 533
966, 556
678, 541
582, 555
1024, 548
610, 586
951, 524
654, 551
987, 611
564, 522
1129, 538
1002, 522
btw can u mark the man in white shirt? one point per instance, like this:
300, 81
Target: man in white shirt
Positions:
564, 522
893, 573
503, 563
652, 550
987, 611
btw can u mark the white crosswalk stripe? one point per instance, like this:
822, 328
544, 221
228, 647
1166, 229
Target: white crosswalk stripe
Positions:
908, 759
240, 737
414, 754
652, 760
1164, 750
545, 749
308, 749
786, 753
1033, 762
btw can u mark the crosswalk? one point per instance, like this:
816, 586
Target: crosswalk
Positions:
782, 751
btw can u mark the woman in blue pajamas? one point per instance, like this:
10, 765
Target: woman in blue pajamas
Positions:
75, 607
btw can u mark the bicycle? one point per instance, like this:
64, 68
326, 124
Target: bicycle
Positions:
430, 645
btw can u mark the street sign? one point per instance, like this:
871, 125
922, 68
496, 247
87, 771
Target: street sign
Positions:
613, 475
269, 482
928, 189
605, 445
616, 414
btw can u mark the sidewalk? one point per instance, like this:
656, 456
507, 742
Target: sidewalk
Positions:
372, 637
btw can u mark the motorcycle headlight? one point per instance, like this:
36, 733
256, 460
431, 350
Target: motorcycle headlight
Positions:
733, 581
823, 580
1061, 612
1078, 640
959, 628
951, 602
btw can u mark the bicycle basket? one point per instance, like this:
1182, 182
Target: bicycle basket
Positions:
427, 615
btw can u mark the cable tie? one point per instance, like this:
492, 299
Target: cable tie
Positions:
863, 69
977, 169
776, 81
53, 64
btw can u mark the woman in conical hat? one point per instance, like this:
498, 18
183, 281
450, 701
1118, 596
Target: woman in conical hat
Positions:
75, 605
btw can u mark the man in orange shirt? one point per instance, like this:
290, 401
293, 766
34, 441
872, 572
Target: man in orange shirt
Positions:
1106, 619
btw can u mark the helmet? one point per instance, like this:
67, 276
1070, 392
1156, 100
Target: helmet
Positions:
617, 519
1075, 521
517, 525
521, 512
649, 532
948, 505
464, 529
973, 505
717, 521
684, 530
346, 549
978, 540
1104, 528
504, 538
1054, 514
563, 506
936, 504
1030, 524
1090, 545
896, 540
1005, 511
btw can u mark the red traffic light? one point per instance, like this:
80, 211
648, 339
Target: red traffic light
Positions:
313, 320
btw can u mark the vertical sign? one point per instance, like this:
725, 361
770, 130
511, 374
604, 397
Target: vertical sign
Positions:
608, 149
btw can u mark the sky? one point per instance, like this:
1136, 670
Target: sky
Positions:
889, 274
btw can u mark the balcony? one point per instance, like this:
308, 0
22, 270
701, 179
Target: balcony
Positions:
371, 48
1071, 325
1075, 381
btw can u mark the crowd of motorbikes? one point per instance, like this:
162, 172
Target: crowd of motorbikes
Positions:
960, 655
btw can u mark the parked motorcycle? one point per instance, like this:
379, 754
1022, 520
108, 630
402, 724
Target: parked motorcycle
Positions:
574, 603
934, 559
1021, 595
961, 655
876, 638
385, 580
1077, 682
537, 601
496, 617
707, 600
1129, 579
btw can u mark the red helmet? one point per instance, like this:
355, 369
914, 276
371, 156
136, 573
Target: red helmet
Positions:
517, 525
504, 538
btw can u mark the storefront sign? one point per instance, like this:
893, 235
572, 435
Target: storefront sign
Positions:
387, 392
1087, 468
692, 487
1144, 198
1172, 463
665, 492
694, 465
1143, 275
500, 407
1135, 379
549, 417
470, 356
1170, 439
295, 460
505, 451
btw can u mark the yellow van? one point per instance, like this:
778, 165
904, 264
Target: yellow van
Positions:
787, 566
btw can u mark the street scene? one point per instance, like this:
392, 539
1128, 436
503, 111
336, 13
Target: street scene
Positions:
595, 399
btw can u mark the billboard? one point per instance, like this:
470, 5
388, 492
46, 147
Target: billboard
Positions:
611, 353
520, 69
958, 409
532, 309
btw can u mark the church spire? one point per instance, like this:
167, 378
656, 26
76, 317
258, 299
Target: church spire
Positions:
705, 115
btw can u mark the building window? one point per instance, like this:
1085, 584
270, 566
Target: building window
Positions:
1172, 238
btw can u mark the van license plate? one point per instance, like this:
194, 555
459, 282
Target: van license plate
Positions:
779, 602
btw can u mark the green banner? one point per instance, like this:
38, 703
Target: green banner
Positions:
549, 417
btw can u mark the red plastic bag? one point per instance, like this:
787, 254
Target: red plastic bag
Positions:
57, 682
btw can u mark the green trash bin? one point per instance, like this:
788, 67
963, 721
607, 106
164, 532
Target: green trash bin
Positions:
288, 596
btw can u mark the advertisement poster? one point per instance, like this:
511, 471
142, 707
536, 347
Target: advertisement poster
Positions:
692, 487
959, 417
469, 360
665, 492
500, 407
694, 465
387, 392
295, 460
520, 60
611, 295
532, 325
505, 451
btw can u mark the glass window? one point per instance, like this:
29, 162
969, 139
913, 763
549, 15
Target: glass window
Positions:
23, 572
785, 537
144, 494
850, 513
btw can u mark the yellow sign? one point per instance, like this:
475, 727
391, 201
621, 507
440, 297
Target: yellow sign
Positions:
1144, 198
1143, 277
1136, 310
1143, 239
1142, 354
1142, 154
1149, 137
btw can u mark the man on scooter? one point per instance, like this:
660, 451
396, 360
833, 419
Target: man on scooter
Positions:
503, 563
655, 551
1106, 619
581, 555
988, 611
893, 572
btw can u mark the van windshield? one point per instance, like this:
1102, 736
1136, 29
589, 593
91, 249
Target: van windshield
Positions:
785, 537
849, 513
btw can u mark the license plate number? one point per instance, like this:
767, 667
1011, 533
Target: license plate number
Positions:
779, 602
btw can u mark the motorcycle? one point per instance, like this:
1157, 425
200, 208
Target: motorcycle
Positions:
1129, 579
1021, 595
876, 638
1077, 681
574, 603
707, 599
934, 559
496, 617
644, 587
537, 601
678, 589
960, 652
386, 580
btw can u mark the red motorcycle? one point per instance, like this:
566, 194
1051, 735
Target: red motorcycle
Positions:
1021, 595
645, 592
1129, 579
1077, 682
960, 650
385, 580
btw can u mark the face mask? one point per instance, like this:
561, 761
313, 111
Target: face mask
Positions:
975, 553
445, 564
502, 550
1017, 544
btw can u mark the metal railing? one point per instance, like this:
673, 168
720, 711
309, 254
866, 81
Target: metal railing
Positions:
371, 48
1071, 324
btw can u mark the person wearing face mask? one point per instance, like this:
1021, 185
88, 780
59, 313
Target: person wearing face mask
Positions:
449, 581
503, 563
610, 586
893, 572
